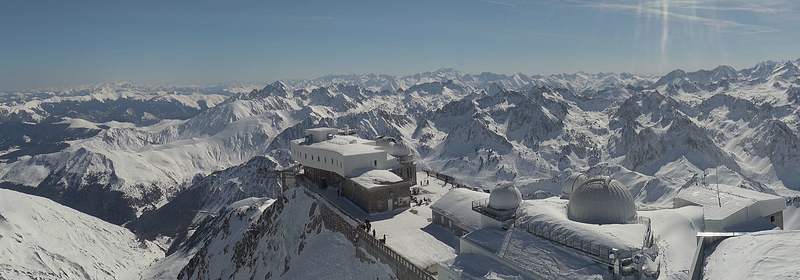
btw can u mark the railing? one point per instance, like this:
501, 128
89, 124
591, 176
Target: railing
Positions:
370, 240
397, 258
406, 159
448, 180
600, 252
539, 195
482, 206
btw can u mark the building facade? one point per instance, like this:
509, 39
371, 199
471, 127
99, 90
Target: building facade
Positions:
376, 175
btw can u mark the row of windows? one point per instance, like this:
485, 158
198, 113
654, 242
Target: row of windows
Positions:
333, 162
336, 163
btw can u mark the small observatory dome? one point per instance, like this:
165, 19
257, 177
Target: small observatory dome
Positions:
571, 183
346, 128
601, 200
383, 141
400, 150
505, 197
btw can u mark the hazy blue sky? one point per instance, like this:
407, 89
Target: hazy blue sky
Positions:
63, 43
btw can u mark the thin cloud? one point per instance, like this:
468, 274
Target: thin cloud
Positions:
685, 11
498, 3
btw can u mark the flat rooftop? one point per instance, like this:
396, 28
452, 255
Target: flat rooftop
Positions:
344, 145
731, 200
456, 204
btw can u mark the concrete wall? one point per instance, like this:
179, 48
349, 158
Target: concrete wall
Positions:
401, 267
407, 171
446, 274
448, 223
376, 199
341, 164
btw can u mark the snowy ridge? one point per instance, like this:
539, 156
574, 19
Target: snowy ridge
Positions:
290, 240
467, 126
41, 239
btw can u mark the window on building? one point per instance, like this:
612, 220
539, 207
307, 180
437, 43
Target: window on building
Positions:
306, 156
375, 163
317, 158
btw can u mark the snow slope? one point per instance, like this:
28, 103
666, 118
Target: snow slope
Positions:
236, 216
40, 239
656, 136
761, 255
294, 238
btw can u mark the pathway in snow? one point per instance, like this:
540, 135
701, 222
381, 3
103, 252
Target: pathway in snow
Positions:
409, 231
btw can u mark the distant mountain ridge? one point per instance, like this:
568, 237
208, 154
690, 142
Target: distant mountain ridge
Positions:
487, 127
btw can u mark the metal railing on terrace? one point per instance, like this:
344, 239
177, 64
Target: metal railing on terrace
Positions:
406, 159
363, 235
482, 206
600, 252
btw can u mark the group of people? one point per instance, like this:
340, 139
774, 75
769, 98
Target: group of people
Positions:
367, 226
420, 201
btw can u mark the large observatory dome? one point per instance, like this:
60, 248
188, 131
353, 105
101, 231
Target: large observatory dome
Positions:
601, 201
571, 183
505, 197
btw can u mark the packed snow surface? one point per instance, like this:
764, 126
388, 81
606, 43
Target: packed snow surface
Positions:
40, 239
537, 255
760, 255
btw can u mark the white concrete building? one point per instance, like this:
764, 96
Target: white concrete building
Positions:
375, 174
731, 206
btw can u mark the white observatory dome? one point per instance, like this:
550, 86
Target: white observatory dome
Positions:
601, 200
346, 128
400, 150
383, 141
505, 197
571, 183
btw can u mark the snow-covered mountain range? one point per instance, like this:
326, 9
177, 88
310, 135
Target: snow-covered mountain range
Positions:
656, 133
181, 162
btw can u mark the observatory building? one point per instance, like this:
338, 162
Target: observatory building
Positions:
501, 206
596, 229
376, 174
601, 200
452, 211
725, 206
571, 183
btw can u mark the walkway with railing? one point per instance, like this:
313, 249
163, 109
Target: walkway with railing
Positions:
448, 179
599, 252
482, 206
363, 238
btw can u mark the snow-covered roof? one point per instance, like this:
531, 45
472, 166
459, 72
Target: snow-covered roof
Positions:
457, 205
375, 178
536, 255
321, 129
476, 266
345, 145
731, 200
551, 213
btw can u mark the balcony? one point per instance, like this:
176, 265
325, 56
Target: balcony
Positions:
482, 206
